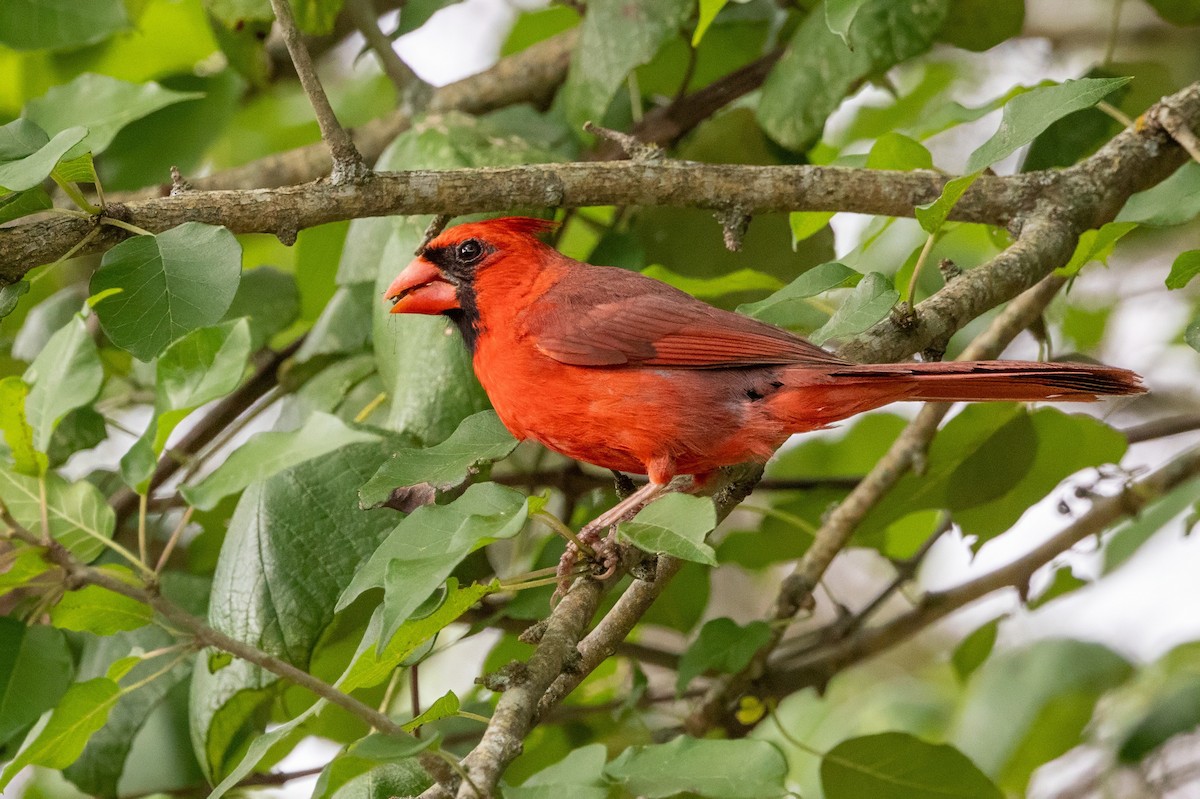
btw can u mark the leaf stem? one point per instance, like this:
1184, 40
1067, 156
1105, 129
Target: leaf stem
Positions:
173, 540
556, 524
141, 528
916, 272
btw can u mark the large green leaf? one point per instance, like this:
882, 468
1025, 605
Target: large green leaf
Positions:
16, 429
1028, 114
270, 452
59, 24
579, 775
870, 301
167, 286
979, 25
97, 610
101, 104
422, 551
78, 515
732, 769
1185, 267
30, 170
723, 645
81, 712
896, 765
675, 525
35, 670
818, 69
376, 767
1177, 12
99, 770
1026, 707
15, 206
66, 375
480, 439
1173, 202
293, 544
617, 36
821, 278
270, 299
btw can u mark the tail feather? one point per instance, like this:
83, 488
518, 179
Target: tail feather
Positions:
1019, 381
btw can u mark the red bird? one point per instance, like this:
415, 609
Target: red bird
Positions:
623, 371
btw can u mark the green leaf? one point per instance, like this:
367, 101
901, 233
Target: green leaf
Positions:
35, 670
79, 517
260, 746
675, 525
979, 25
1026, 707
616, 37
17, 432
270, 452
974, 649
1185, 267
344, 326
279, 573
443, 707
806, 224
59, 24
896, 765
204, 365
815, 281
933, 215
818, 69
171, 284
1177, 12
20, 138
81, 712
870, 301
24, 564
1177, 711
1192, 335
66, 375
839, 14
234, 13
100, 104
44, 320
1173, 202
372, 667
15, 206
481, 439
731, 769
377, 767
77, 170
709, 287
422, 551
97, 610
1028, 114
270, 299
1095, 245
579, 775
316, 16
12, 293
722, 646
28, 172
894, 150
708, 12
82, 428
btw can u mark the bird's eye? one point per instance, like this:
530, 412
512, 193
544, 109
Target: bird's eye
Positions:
470, 251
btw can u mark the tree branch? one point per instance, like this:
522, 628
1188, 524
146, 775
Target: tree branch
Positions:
1085, 195
410, 87
79, 574
814, 666
348, 165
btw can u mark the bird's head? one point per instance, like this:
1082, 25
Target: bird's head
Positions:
441, 279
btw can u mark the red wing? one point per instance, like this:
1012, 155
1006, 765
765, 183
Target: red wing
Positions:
602, 316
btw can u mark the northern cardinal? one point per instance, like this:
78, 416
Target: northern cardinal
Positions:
616, 369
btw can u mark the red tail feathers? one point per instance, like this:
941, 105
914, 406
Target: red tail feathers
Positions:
1020, 381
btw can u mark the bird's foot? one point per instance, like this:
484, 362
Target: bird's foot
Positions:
604, 558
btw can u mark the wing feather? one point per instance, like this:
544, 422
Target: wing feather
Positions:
603, 316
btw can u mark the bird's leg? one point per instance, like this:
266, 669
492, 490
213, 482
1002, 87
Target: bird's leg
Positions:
607, 555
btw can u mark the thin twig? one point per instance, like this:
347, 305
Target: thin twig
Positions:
348, 164
366, 19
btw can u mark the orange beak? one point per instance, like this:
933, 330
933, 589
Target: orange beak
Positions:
420, 288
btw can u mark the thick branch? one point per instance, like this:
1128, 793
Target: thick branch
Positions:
815, 666
1083, 196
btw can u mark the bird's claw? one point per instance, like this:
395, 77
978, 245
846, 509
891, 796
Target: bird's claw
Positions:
605, 559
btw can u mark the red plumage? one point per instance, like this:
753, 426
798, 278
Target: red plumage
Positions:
623, 371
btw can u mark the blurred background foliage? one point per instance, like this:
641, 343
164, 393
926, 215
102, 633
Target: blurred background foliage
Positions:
220, 406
